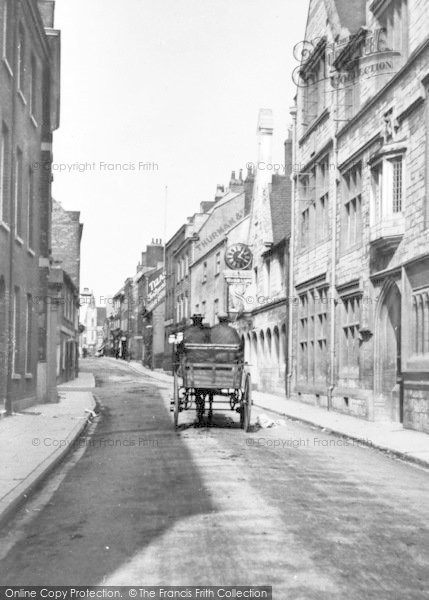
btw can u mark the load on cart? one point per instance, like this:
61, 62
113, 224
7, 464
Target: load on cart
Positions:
209, 370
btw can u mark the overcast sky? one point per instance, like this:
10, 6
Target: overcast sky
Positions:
176, 83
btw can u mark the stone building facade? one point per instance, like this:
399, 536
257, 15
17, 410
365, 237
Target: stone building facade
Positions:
63, 330
29, 113
262, 317
226, 224
360, 274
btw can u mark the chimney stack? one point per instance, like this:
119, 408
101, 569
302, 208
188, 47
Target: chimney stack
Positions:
265, 138
220, 191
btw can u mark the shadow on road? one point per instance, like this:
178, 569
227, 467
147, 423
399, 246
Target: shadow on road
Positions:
135, 480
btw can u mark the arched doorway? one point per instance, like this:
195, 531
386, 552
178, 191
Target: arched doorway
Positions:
388, 355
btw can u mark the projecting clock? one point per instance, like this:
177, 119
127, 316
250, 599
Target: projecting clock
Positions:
238, 257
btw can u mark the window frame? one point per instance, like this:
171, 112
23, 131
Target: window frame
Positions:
18, 195
5, 187
352, 187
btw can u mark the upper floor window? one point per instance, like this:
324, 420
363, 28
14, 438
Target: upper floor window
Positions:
351, 230
19, 194
314, 198
21, 59
315, 91
30, 211
4, 175
322, 198
216, 308
393, 18
351, 93
387, 188
34, 104
217, 265
8, 33
204, 272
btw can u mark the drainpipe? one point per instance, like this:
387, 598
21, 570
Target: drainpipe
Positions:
290, 288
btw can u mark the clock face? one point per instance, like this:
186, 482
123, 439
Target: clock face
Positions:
238, 257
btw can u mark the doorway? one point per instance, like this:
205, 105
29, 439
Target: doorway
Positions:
388, 356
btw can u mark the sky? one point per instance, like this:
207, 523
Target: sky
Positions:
159, 104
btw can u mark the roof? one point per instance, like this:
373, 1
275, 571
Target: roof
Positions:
280, 200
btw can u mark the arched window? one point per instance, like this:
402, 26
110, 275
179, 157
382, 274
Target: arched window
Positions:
254, 349
248, 349
282, 352
269, 351
276, 353
261, 349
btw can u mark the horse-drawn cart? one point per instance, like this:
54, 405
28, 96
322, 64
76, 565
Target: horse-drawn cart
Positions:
212, 374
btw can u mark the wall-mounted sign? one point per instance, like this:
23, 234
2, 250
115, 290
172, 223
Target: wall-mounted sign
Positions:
238, 283
156, 289
238, 256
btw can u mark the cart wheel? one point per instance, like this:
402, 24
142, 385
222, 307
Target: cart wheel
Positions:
246, 405
176, 399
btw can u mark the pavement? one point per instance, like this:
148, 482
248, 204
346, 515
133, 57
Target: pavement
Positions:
388, 437
35, 440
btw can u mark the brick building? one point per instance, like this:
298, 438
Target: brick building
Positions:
360, 273
178, 257
151, 259
29, 113
66, 239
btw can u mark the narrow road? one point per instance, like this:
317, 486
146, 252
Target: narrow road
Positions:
290, 507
